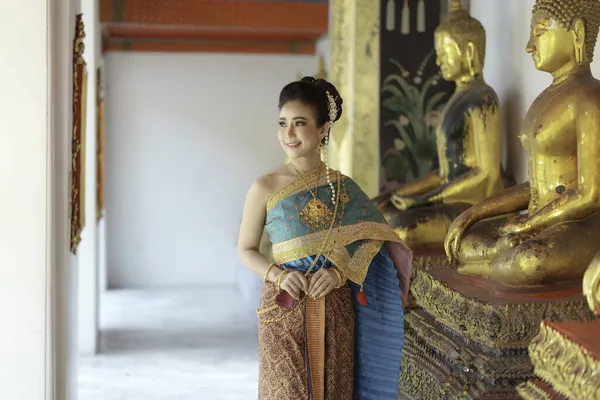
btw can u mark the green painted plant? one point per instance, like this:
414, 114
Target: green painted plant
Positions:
417, 107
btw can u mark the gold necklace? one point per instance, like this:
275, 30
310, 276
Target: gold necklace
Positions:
314, 195
315, 214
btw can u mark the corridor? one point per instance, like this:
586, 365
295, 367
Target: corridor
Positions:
175, 344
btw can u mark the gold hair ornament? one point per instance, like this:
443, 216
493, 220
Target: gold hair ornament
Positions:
333, 112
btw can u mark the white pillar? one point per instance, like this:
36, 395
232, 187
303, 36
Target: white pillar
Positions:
35, 273
101, 234
88, 248
102, 268
24, 151
64, 294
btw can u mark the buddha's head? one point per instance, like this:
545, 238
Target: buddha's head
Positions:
563, 33
460, 44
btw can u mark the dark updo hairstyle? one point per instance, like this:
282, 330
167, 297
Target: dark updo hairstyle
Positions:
312, 92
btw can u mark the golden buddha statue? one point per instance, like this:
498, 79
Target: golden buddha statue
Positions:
591, 285
468, 141
557, 238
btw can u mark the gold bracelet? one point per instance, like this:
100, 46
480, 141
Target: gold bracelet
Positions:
281, 275
341, 277
266, 277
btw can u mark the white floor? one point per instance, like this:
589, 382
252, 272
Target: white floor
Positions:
189, 344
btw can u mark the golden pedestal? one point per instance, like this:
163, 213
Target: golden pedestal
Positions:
425, 259
566, 358
468, 337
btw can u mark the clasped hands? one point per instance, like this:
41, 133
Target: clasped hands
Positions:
323, 282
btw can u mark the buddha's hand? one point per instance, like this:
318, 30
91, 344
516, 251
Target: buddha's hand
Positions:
401, 202
322, 283
515, 226
456, 232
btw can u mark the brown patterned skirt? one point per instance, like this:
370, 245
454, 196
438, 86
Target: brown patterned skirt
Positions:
283, 348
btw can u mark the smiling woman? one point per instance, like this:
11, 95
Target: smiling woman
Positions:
340, 274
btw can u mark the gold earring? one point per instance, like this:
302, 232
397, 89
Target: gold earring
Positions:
319, 148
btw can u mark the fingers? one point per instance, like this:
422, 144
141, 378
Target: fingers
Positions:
454, 247
451, 244
448, 249
300, 281
318, 287
293, 291
314, 280
292, 285
294, 279
323, 285
303, 283
325, 290
318, 280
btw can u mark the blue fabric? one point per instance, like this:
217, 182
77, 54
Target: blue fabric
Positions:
379, 329
379, 332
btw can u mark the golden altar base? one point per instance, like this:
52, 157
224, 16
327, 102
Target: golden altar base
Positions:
425, 259
468, 337
566, 358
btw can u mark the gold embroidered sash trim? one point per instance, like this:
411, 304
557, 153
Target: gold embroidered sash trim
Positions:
298, 186
355, 267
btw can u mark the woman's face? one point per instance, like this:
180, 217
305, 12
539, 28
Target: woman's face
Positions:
298, 132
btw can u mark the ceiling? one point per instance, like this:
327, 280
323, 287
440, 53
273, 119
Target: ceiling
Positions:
230, 26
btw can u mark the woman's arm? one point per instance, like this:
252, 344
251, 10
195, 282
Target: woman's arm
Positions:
251, 231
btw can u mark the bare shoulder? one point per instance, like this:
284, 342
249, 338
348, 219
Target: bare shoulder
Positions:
261, 189
265, 186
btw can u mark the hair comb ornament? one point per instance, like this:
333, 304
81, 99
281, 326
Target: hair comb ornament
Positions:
333, 112
331, 108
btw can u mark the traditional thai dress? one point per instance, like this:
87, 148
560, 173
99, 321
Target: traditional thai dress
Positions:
334, 347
